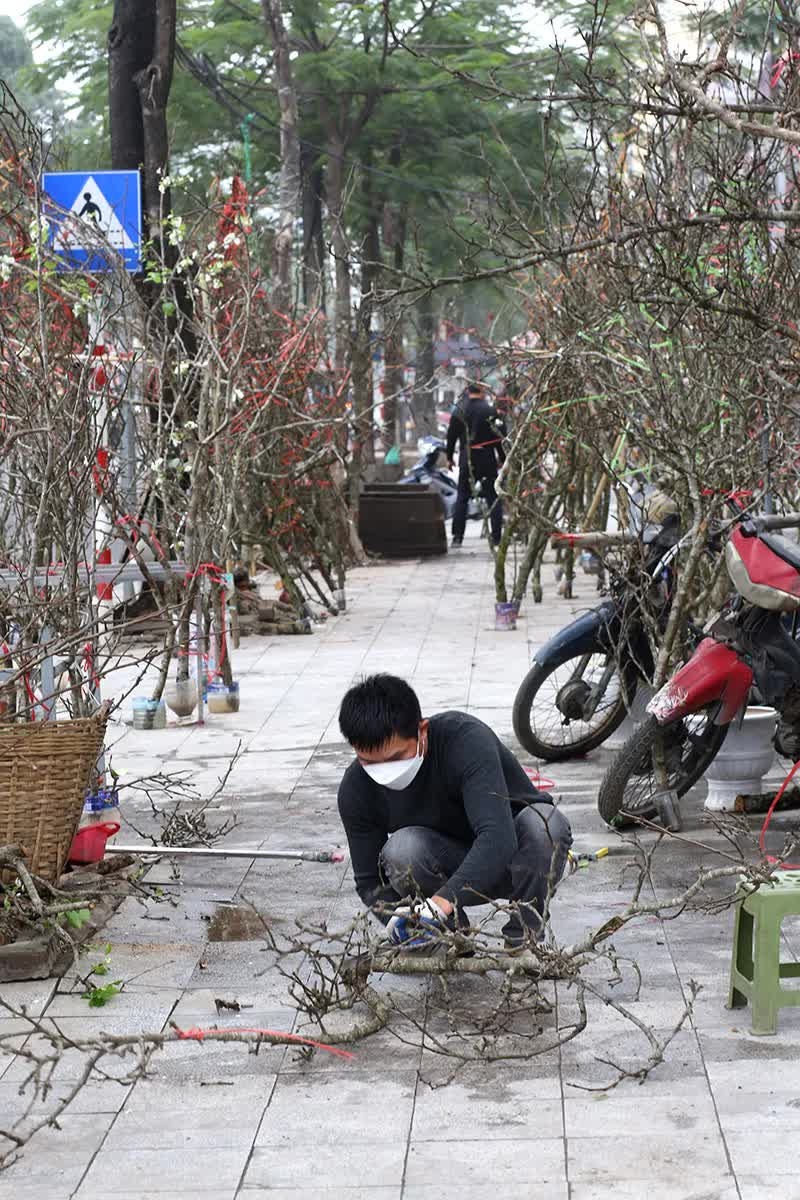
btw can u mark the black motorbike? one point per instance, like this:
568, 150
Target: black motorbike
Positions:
428, 472
583, 681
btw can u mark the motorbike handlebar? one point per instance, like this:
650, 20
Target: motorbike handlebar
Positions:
790, 521
765, 524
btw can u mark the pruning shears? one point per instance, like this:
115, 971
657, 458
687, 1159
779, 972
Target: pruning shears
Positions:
578, 859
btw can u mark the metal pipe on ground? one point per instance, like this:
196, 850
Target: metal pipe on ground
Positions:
332, 856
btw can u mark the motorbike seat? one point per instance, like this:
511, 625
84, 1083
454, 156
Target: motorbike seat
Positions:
665, 534
786, 550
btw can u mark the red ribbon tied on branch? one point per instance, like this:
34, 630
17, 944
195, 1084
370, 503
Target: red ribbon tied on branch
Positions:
197, 1035
782, 62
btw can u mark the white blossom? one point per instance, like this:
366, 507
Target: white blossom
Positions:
39, 229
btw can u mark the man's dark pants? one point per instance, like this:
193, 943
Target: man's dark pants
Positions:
421, 859
462, 501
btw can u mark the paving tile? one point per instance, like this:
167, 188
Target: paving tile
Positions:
667, 1158
536, 1190
654, 1189
488, 1107
486, 1164
339, 1108
55, 1158
10, 1027
762, 1187
236, 965
756, 1077
583, 1065
371, 1192
143, 1004
101, 1096
70, 1065
151, 1193
157, 1116
264, 996
168, 965
303, 1164
763, 1153
33, 996
176, 1170
36, 1189
744, 1110
598, 1115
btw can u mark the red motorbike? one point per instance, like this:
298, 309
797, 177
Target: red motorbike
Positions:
751, 648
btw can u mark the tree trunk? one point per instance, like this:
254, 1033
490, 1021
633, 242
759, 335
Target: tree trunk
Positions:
362, 450
313, 234
394, 236
424, 385
154, 82
363, 389
130, 49
289, 181
341, 249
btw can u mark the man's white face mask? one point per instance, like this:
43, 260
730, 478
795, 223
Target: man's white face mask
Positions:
396, 775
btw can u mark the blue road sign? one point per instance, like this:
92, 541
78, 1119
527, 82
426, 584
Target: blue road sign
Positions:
86, 209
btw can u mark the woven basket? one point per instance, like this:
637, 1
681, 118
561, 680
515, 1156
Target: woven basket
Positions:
45, 768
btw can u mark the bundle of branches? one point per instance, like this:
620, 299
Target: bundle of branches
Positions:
53, 437
31, 906
700, 392
553, 477
157, 421
663, 307
467, 1000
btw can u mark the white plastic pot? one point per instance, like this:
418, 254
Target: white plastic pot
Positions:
744, 759
181, 697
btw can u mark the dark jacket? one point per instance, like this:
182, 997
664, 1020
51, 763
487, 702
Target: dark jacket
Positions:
478, 430
470, 787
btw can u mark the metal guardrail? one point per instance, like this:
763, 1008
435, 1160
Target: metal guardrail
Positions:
96, 573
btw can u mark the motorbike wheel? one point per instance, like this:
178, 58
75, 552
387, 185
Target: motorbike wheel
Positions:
689, 745
546, 731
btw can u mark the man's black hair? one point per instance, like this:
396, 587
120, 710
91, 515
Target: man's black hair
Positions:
378, 708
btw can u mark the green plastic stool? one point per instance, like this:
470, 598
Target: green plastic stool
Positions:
756, 967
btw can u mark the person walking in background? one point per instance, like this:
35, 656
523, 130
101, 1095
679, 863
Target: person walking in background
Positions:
478, 430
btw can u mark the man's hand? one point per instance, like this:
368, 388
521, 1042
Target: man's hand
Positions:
418, 926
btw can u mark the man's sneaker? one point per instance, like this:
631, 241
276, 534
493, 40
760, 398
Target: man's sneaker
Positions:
521, 944
455, 544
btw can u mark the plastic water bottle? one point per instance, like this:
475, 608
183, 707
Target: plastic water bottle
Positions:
100, 806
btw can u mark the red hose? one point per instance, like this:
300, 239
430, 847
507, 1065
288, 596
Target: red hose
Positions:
769, 858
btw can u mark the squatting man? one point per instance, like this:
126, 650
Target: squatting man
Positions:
439, 816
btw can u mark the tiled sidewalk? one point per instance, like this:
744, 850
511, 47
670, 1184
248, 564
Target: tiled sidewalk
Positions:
717, 1120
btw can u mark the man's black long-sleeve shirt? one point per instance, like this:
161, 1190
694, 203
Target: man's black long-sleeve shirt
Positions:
477, 429
469, 787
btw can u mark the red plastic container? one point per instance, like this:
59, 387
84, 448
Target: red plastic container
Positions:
89, 844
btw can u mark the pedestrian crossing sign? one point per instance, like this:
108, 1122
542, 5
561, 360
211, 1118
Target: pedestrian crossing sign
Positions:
90, 214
